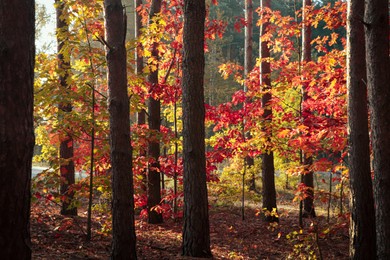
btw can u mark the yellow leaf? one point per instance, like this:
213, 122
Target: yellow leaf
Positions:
283, 133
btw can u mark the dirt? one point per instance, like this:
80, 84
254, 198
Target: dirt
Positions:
58, 237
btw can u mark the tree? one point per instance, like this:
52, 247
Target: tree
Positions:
376, 20
308, 175
248, 66
123, 230
17, 51
141, 115
362, 228
154, 108
65, 108
196, 229
268, 168
139, 66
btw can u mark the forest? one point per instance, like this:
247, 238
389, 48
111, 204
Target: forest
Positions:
186, 129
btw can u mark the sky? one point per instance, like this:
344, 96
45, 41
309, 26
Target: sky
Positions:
47, 37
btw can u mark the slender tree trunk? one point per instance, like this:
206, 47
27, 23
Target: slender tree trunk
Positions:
65, 108
141, 115
123, 231
154, 108
138, 56
308, 176
268, 168
248, 66
176, 156
376, 19
92, 162
362, 228
196, 229
92, 159
17, 55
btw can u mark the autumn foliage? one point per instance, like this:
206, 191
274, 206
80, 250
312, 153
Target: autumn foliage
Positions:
316, 126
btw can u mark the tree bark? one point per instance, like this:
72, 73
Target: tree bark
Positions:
67, 172
308, 176
17, 55
123, 231
154, 108
376, 19
196, 229
268, 169
362, 228
139, 66
248, 66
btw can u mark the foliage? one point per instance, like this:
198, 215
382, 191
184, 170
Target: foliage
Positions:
230, 112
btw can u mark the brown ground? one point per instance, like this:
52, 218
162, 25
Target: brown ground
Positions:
57, 237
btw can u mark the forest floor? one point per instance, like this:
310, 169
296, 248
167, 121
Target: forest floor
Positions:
58, 237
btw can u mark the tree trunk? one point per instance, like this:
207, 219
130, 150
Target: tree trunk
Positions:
196, 229
376, 18
138, 57
139, 66
16, 125
123, 233
308, 176
248, 66
362, 228
65, 108
154, 107
268, 169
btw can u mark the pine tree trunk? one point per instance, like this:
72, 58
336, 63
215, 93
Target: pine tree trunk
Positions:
196, 229
123, 232
268, 169
67, 171
154, 108
376, 21
139, 66
17, 53
308, 176
362, 228
248, 66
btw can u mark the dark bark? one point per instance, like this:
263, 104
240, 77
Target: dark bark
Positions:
362, 227
308, 180
248, 66
376, 19
139, 66
123, 231
17, 51
308, 176
268, 169
66, 146
196, 229
154, 107
141, 115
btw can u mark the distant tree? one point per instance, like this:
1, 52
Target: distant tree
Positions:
248, 66
362, 228
308, 175
141, 115
139, 66
17, 51
196, 229
123, 231
154, 108
268, 168
376, 20
67, 172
